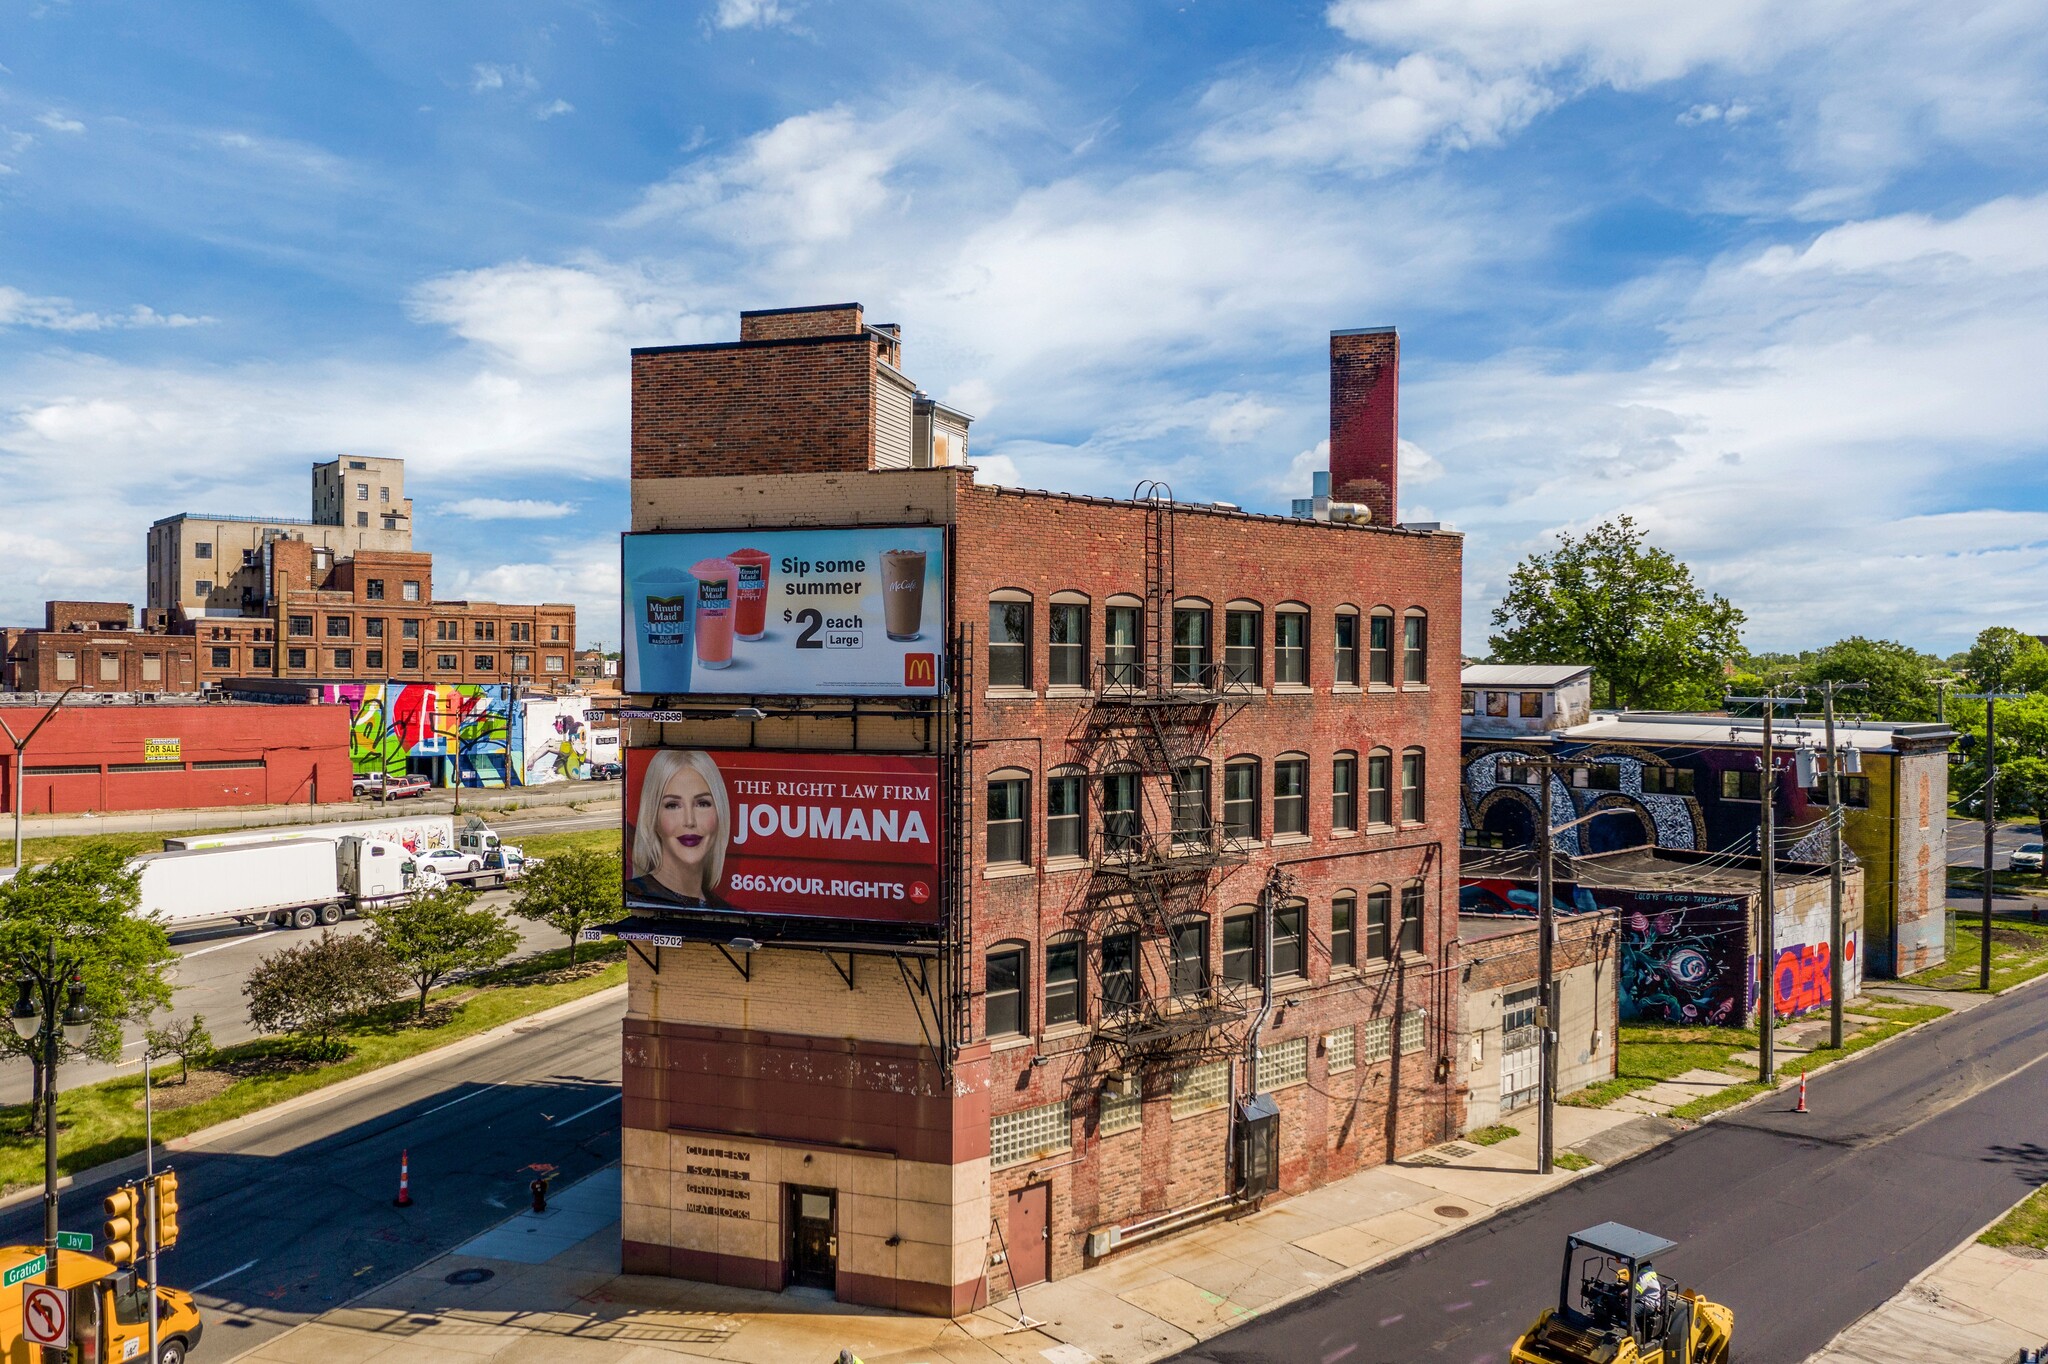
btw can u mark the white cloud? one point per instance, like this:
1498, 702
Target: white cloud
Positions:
752, 14
509, 509
585, 575
18, 309
555, 319
554, 110
487, 76
1361, 115
58, 123
1731, 113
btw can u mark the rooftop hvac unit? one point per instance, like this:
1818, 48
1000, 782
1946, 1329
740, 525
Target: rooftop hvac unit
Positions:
1356, 513
1100, 1243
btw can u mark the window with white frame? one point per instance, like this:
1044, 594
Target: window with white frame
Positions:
1201, 1089
1411, 1032
1283, 1064
1029, 1134
1290, 647
1343, 1049
1377, 1041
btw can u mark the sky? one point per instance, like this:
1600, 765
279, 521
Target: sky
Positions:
1767, 275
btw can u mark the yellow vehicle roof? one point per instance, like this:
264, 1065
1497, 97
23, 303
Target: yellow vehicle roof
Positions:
73, 1267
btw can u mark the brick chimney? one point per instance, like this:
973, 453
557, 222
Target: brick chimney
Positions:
1365, 427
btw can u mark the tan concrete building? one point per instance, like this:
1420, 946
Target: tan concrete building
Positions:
202, 563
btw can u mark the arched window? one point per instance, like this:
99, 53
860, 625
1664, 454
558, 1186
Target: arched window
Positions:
1066, 826
1123, 626
1119, 970
1009, 639
1066, 642
1381, 646
1241, 946
1344, 792
1379, 779
1122, 812
1290, 938
1379, 908
1290, 645
1241, 799
1343, 929
1063, 978
1003, 999
1189, 948
1413, 899
1191, 820
1346, 637
1415, 647
1290, 794
1412, 789
1243, 644
1009, 817
1191, 643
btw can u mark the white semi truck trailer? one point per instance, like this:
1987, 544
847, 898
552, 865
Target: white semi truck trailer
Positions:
295, 883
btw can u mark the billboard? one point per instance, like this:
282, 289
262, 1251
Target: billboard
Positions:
838, 836
851, 612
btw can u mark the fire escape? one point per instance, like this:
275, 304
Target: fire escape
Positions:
1158, 853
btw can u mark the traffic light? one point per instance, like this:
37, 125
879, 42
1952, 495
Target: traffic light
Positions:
123, 1229
164, 1194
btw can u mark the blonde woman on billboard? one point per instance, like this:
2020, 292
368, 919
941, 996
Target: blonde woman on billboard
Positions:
680, 834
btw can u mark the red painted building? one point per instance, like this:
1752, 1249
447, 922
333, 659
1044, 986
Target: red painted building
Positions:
97, 756
1199, 772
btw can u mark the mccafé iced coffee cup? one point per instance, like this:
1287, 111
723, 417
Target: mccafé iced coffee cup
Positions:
903, 592
750, 587
713, 626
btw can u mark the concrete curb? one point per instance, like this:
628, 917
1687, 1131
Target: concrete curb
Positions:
340, 1089
334, 812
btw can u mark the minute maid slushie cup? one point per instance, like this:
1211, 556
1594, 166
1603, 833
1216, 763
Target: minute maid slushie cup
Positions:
750, 585
661, 631
715, 604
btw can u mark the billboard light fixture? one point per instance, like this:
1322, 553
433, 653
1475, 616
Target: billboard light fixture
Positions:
745, 944
750, 713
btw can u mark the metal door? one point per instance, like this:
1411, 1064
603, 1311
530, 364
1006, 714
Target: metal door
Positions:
1521, 1052
813, 1238
1030, 1235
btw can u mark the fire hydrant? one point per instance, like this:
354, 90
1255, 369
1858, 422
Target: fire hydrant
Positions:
539, 1188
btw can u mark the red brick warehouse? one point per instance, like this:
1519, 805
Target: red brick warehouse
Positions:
1198, 940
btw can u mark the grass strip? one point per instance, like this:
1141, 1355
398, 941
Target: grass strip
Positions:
1492, 1136
1572, 1160
1650, 1053
2026, 1225
102, 1122
1893, 1021
2019, 952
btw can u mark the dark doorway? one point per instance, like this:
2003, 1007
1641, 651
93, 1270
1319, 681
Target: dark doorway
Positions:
1030, 1235
813, 1239
1617, 828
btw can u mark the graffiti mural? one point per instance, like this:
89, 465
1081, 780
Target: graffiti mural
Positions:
1682, 962
426, 728
556, 743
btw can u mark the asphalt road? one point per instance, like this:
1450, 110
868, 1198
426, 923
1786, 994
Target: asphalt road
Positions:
209, 982
1966, 841
1801, 1223
290, 1218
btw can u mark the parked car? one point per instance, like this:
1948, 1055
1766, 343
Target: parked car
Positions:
2026, 857
450, 861
607, 771
401, 787
367, 783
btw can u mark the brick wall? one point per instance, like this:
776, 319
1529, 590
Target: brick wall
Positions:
103, 661
783, 324
1365, 392
91, 615
755, 407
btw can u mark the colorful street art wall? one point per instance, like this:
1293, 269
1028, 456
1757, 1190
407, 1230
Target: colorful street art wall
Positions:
559, 743
420, 728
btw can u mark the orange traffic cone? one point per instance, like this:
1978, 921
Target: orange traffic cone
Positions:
404, 1199
1802, 1093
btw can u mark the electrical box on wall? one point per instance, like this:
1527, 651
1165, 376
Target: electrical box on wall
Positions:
1258, 1146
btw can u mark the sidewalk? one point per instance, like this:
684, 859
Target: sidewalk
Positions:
1980, 1305
439, 802
547, 1287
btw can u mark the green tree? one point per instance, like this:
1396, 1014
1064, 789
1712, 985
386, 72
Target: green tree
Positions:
569, 890
436, 933
85, 905
1610, 599
2022, 757
188, 1040
311, 991
2005, 659
1901, 678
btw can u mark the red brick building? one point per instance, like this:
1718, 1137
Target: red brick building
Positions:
1200, 770
175, 754
95, 647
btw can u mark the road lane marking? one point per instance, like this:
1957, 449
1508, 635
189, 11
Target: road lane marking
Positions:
221, 1278
233, 942
592, 1109
464, 1099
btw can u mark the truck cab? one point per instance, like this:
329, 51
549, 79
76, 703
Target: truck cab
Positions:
109, 1313
497, 856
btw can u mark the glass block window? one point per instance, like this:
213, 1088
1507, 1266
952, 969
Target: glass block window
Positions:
1411, 1032
1343, 1045
1116, 1113
1283, 1063
1201, 1089
1377, 1044
1029, 1134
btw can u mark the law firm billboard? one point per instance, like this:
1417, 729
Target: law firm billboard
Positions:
850, 612
840, 836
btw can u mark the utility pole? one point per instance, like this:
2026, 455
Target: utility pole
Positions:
21, 744
1767, 851
1829, 690
1546, 929
1990, 699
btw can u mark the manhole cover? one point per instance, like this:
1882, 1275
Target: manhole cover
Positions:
1452, 1210
469, 1276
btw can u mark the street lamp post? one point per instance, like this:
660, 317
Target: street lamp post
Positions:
21, 744
42, 987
